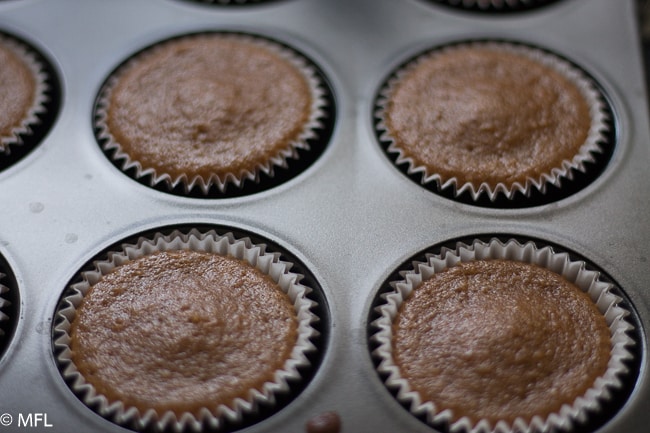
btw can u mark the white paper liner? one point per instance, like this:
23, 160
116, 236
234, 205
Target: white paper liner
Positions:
40, 96
227, 245
597, 132
560, 263
189, 181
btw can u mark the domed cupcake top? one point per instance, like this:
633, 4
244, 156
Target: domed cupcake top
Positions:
504, 340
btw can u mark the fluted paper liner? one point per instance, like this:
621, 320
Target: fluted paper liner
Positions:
188, 180
560, 263
227, 245
24, 129
591, 147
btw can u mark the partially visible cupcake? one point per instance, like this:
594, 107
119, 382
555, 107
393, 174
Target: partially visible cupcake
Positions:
208, 112
502, 337
9, 305
22, 93
185, 332
494, 6
231, 2
3, 305
492, 119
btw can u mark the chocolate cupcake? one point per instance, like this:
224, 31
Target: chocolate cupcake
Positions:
208, 112
502, 337
492, 119
22, 93
185, 332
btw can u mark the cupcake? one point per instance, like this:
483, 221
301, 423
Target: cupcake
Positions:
502, 337
210, 111
231, 2
185, 332
22, 93
9, 305
4, 304
495, 6
491, 119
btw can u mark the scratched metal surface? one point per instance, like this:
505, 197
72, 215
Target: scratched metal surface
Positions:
351, 217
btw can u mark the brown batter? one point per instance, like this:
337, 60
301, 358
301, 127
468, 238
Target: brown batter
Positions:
17, 92
182, 330
486, 115
498, 340
326, 422
208, 105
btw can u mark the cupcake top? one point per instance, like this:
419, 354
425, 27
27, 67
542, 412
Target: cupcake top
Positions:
210, 107
18, 91
492, 116
504, 340
182, 330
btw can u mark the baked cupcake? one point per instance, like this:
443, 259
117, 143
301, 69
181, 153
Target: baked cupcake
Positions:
9, 305
493, 119
502, 337
4, 304
494, 6
185, 332
211, 111
22, 93
231, 2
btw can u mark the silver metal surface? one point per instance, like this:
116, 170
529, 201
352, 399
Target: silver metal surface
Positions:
352, 217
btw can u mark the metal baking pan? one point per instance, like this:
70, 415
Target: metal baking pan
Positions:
351, 217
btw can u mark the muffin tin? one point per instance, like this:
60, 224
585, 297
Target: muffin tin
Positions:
350, 217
